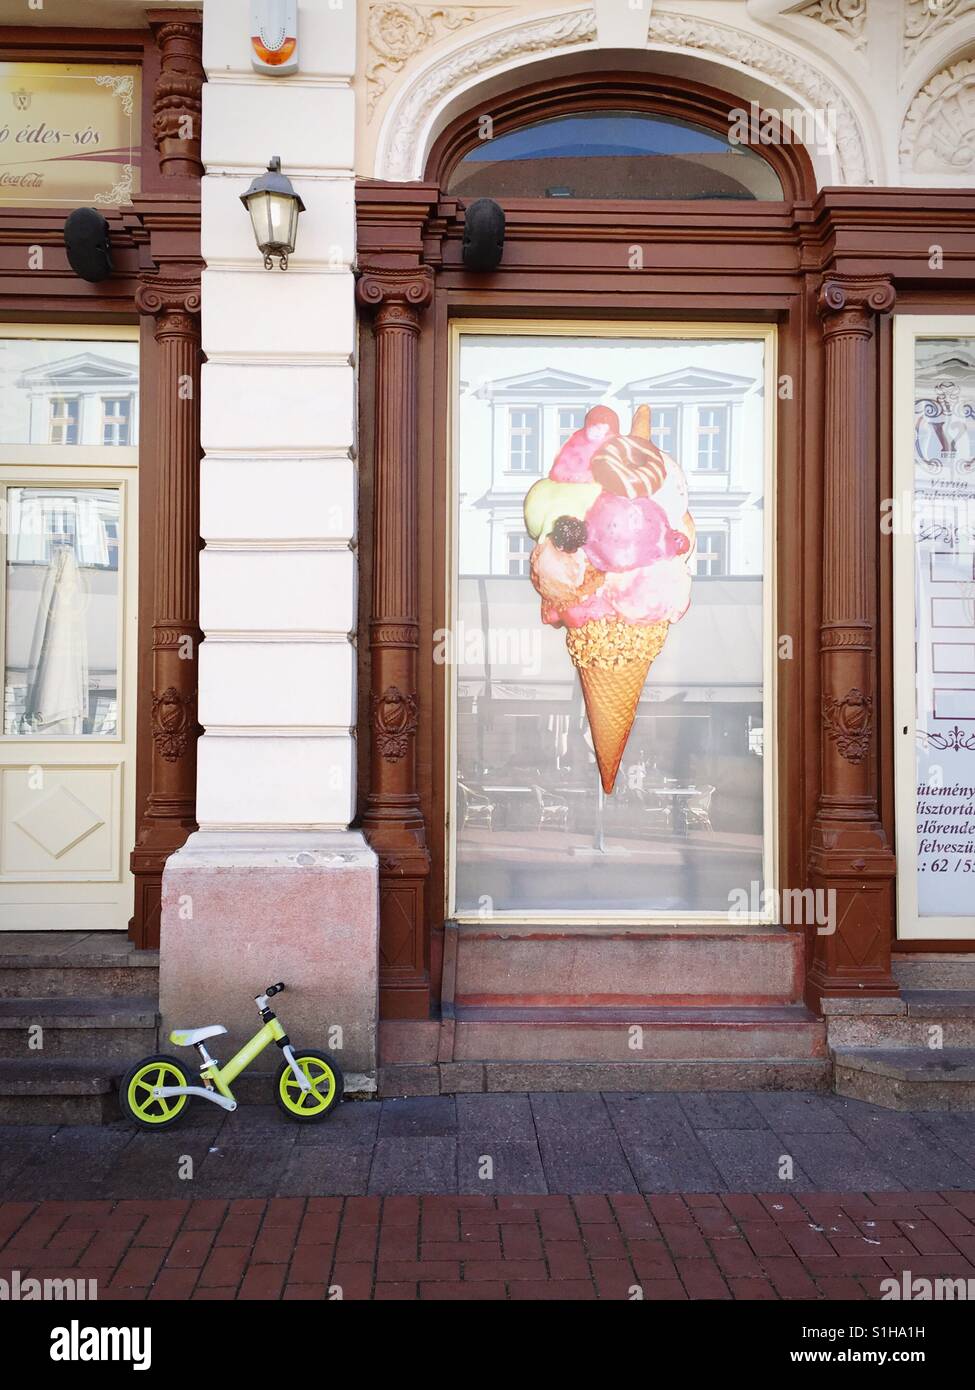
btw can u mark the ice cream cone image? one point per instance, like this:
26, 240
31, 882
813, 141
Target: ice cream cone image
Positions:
613, 660
613, 537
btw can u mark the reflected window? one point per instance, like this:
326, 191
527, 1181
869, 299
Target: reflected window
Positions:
570, 419
519, 553
663, 427
116, 418
61, 612
65, 420
711, 555
524, 429
614, 154
712, 439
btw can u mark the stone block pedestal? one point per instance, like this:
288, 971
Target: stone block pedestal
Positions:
244, 909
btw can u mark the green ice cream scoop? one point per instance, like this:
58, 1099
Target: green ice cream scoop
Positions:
548, 500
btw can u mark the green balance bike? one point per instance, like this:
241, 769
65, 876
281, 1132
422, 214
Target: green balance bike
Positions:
155, 1092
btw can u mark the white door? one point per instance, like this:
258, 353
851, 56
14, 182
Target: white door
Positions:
68, 619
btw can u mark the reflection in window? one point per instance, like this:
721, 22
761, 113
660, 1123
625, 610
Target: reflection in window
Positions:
65, 420
523, 440
570, 419
663, 428
712, 439
62, 605
116, 416
64, 391
613, 154
685, 822
711, 555
519, 553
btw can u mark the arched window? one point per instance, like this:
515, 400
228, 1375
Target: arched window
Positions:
622, 137
614, 154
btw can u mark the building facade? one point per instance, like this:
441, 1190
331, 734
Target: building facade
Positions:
358, 754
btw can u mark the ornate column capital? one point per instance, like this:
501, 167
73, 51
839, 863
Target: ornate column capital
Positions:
848, 303
177, 100
173, 302
396, 296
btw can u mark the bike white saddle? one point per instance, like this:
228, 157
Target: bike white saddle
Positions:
191, 1036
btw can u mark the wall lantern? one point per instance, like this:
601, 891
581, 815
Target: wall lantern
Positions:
274, 207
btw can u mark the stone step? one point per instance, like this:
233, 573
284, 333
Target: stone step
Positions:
79, 1028
627, 966
934, 970
907, 1078
669, 1033
907, 1022
58, 1092
703, 1074
46, 964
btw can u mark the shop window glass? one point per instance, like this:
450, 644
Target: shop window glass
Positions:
602, 538
614, 154
68, 391
570, 419
664, 427
61, 611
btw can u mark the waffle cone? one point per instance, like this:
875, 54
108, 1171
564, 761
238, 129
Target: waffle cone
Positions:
613, 659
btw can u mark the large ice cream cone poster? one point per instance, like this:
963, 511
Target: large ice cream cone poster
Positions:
613, 535
609, 623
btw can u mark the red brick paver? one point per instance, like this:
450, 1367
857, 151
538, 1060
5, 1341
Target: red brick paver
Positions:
830, 1246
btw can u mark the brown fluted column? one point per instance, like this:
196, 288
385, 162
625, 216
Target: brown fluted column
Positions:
850, 856
393, 821
169, 813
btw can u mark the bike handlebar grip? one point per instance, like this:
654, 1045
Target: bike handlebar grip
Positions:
274, 989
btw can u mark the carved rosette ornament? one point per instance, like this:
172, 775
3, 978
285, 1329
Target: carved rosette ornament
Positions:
172, 722
393, 722
849, 723
177, 99
850, 858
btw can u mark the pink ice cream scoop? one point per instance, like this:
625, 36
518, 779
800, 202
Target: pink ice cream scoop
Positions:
572, 463
651, 594
625, 533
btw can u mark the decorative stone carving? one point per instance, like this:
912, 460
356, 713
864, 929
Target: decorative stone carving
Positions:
177, 99
938, 135
393, 722
925, 18
397, 32
849, 723
780, 66
846, 17
173, 720
407, 121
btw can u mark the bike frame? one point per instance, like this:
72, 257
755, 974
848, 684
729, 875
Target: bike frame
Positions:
222, 1077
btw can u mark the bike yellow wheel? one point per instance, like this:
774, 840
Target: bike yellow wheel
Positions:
327, 1085
136, 1098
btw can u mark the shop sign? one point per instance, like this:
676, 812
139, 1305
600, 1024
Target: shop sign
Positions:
69, 134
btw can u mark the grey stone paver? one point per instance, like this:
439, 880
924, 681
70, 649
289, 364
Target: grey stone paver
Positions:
555, 1142
750, 1160
413, 1166
660, 1144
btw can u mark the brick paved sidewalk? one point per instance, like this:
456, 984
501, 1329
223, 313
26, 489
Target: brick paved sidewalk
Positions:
670, 1246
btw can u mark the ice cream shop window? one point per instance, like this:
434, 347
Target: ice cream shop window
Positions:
612, 653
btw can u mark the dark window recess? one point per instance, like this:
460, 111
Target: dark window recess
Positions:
614, 154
